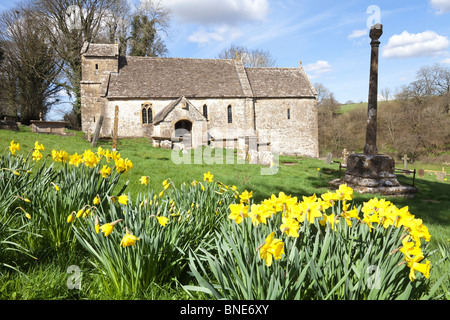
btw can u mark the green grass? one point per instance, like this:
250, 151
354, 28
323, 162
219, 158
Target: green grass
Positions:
344, 108
296, 176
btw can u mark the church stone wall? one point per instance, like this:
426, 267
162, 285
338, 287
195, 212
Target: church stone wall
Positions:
130, 121
297, 135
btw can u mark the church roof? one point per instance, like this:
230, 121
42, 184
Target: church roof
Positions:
279, 82
100, 50
147, 77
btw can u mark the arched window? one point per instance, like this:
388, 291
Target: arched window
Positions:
147, 113
288, 113
150, 114
144, 115
230, 115
205, 111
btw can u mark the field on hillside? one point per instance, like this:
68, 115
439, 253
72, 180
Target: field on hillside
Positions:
295, 176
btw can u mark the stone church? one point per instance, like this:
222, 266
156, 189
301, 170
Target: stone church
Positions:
210, 101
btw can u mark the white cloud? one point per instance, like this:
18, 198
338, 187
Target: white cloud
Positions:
358, 33
219, 34
447, 60
407, 45
316, 69
442, 5
218, 12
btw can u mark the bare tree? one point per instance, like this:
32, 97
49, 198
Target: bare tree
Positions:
256, 58
69, 23
29, 72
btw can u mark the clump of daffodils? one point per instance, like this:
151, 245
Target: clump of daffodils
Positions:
294, 211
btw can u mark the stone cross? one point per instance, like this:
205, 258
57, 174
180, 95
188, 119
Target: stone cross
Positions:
371, 134
405, 161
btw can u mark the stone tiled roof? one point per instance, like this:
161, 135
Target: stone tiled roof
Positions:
146, 77
100, 50
279, 82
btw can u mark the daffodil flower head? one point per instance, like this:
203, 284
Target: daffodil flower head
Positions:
14, 147
129, 239
208, 177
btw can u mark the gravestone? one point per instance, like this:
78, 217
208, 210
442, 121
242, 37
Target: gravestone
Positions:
440, 176
345, 154
329, 158
421, 173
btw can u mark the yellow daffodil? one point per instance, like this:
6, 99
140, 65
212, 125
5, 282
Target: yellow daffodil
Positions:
105, 171
70, 218
238, 212
290, 226
36, 155
90, 159
96, 200
330, 197
271, 248
14, 147
55, 186
107, 228
123, 199
329, 219
245, 196
144, 180
38, 146
258, 214
310, 210
128, 240
162, 220
97, 225
345, 192
349, 214
415, 265
75, 159
208, 177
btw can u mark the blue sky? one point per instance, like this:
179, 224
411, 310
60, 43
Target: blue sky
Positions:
330, 38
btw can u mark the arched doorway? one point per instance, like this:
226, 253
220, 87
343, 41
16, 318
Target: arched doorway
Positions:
183, 129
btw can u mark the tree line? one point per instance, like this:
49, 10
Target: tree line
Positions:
41, 41
415, 120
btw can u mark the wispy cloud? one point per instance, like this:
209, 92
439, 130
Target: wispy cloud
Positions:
218, 34
407, 45
317, 69
218, 12
358, 33
443, 6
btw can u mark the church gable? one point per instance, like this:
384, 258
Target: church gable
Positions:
179, 109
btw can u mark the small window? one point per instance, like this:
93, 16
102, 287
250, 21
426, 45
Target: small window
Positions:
150, 115
289, 113
230, 115
205, 111
96, 66
144, 115
147, 113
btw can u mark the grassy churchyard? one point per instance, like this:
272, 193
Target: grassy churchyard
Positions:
40, 273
